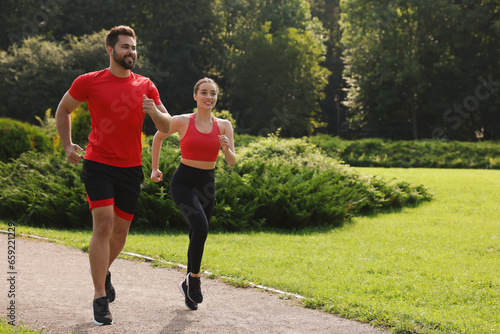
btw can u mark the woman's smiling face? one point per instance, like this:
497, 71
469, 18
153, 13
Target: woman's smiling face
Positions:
206, 96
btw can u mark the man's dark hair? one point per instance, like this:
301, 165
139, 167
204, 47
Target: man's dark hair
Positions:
112, 36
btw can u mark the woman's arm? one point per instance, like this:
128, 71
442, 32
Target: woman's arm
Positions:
226, 139
156, 174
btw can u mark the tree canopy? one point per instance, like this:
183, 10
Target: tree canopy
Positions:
402, 69
419, 69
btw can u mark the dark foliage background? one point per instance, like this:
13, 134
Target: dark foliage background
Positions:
400, 70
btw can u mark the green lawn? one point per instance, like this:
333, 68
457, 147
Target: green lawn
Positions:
5, 328
434, 268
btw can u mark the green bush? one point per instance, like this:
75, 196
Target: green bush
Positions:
331, 145
225, 114
43, 190
48, 125
242, 140
425, 153
17, 137
376, 152
156, 208
81, 125
291, 184
277, 183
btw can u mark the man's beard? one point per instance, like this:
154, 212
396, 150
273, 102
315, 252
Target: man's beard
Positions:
123, 62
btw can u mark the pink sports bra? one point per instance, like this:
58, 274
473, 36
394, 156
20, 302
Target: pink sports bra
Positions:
196, 145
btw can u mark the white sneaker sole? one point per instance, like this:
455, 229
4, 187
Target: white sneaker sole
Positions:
184, 295
187, 289
97, 322
181, 289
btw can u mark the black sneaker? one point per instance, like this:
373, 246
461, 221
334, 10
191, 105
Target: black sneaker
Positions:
189, 303
194, 289
110, 290
100, 309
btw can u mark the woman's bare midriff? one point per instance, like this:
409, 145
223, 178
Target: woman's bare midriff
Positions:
207, 165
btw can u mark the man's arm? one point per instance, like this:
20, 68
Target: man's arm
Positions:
158, 113
63, 124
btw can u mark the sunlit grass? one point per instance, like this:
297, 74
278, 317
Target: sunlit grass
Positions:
6, 328
432, 268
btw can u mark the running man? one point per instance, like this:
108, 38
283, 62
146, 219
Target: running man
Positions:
118, 100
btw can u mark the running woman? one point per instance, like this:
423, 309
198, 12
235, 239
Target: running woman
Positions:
192, 186
118, 100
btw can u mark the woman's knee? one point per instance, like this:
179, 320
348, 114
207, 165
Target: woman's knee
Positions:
199, 231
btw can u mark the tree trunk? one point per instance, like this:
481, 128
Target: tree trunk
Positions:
414, 120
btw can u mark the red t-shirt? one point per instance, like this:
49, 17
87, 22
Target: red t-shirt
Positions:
115, 106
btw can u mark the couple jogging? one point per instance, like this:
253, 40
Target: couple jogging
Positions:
118, 100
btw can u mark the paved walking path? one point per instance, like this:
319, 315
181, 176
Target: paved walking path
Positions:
53, 290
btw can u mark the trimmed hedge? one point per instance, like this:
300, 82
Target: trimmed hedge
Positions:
424, 153
43, 190
291, 184
277, 183
18, 137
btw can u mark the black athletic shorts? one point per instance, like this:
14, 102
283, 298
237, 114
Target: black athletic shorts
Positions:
108, 185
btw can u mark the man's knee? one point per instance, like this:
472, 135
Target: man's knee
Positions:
102, 229
102, 222
119, 234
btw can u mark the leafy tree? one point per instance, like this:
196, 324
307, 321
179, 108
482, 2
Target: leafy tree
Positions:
175, 34
328, 12
24, 19
36, 74
58, 18
274, 75
408, 62
277, 82
470, 75
203, 39
179, 38
33, 78
85, 17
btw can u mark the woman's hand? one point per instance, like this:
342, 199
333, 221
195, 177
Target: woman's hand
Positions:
228, 149
156, 175
224, 142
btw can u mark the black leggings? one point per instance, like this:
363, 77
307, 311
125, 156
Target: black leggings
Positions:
193, 191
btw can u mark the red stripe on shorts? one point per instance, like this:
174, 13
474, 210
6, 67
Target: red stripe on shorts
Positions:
101, 202
122, 214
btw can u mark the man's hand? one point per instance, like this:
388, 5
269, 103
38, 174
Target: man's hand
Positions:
149, 106
158, 114
72, 155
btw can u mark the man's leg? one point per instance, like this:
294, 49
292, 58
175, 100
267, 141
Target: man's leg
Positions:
99, 247
118, 237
